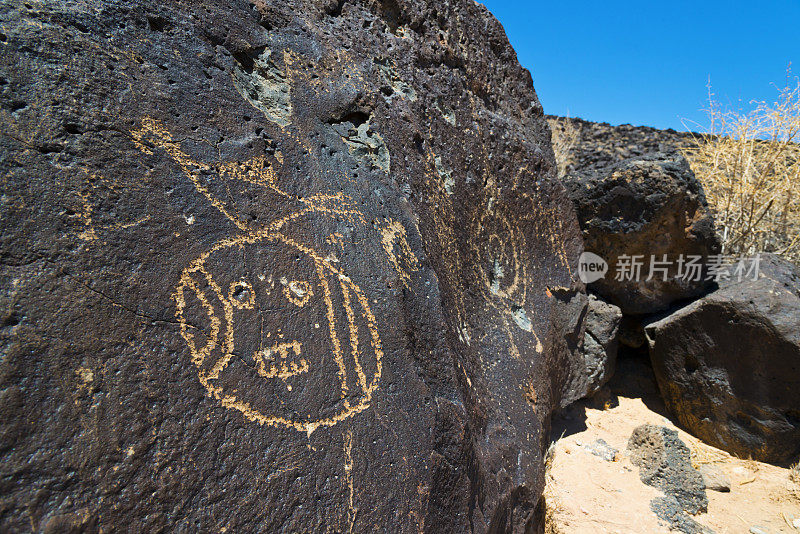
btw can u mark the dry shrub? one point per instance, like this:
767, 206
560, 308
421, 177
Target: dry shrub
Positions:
749, 165
565, 138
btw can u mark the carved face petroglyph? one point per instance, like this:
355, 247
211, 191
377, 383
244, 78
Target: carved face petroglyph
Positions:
276, 329
296, 347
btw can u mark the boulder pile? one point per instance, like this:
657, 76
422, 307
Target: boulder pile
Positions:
722, 333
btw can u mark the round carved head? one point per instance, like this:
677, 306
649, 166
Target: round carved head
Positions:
278, 332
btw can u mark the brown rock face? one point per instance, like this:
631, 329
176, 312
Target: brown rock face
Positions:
276, 267
728, 365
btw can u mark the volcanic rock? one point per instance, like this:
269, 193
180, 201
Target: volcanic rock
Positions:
276, 266
664, 462
649, 213
599, 353
728, 365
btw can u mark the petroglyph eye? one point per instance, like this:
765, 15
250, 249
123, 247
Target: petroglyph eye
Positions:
503, 271
241, 295
298, 292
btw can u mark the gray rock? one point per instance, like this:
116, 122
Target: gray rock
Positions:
649, 206
670, 510
664, 463
728, 365
601, 449
599, 353
252, 280
714, 478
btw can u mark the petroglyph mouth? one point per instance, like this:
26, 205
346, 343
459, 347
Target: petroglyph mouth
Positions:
283, 360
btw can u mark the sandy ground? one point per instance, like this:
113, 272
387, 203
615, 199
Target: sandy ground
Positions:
588, 494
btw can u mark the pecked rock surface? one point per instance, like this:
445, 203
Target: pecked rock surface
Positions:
728, 365
277, 267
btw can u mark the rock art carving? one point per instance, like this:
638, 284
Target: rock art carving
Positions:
298, 348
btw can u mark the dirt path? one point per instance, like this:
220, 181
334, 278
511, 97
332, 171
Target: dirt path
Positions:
587, 493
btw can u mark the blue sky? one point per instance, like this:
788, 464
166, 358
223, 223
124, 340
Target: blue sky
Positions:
648, 62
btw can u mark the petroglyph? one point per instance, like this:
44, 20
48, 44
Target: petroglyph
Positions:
250, 337
284, 367
99, 190
395, 243
348, 473
503, 268
298, 292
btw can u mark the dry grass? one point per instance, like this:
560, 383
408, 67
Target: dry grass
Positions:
749, 165
794, 473
565, 138
704, 454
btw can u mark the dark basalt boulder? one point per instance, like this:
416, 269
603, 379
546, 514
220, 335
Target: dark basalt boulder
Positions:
599, 145
645, 207
599, 355
665, 463
728, 365
297, 266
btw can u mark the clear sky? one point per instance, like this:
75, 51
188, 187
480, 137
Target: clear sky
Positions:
648, 62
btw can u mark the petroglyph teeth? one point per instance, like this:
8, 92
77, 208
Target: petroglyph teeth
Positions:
284, 368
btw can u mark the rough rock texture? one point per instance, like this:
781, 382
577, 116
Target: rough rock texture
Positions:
631, 331
599, 349
600, 145
294, 266
587, 494
728, 365
651, 206
664, 462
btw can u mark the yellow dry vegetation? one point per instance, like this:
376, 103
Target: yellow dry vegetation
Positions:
749, 164
565, 137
